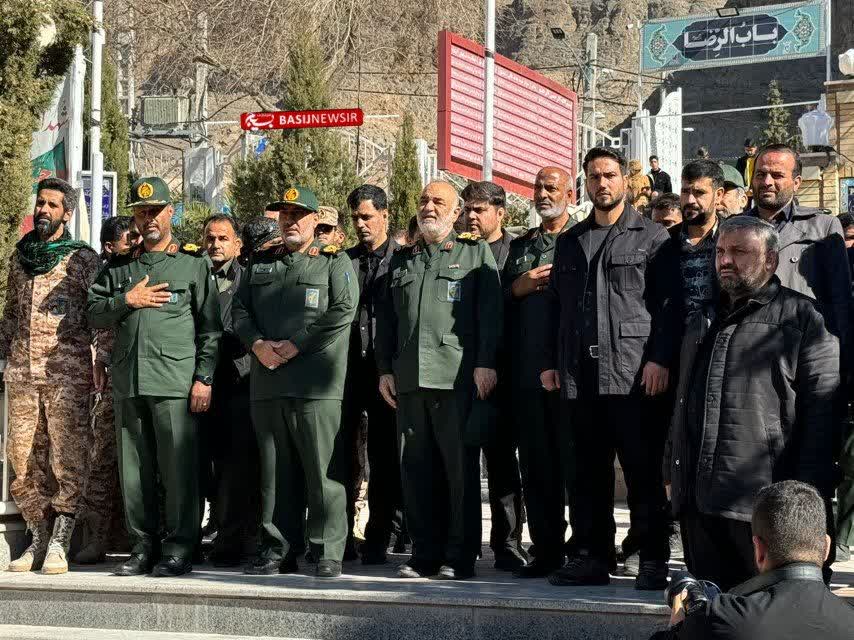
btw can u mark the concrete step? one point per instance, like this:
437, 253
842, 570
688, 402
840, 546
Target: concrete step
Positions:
23, 632
367, 602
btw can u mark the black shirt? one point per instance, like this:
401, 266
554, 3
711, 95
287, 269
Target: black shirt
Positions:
369, 263
592, 246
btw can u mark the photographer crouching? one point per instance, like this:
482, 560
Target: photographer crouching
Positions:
788, 599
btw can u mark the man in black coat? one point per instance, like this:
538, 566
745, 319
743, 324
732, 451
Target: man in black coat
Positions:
661, 182
484, 209
369, 212
788, 599
611, 337
227, 435
755, 403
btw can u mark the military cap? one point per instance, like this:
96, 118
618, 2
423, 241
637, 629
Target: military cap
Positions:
732, 178
328, 215
151, 191
301, 197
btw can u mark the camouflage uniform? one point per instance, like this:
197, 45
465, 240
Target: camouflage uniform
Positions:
46, 341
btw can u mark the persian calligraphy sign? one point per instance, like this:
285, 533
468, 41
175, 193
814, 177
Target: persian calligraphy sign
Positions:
760, 34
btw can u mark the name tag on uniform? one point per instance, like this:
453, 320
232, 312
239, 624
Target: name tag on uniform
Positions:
524, 259
263, 268
173, 297
455, 291
312, 298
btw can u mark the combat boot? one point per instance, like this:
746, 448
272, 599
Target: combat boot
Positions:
95, 550
33, 556
57, 551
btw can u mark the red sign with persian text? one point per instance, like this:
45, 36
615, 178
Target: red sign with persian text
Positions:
534, 122
301, 119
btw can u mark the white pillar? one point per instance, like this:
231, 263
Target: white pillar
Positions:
97, 158
488, 89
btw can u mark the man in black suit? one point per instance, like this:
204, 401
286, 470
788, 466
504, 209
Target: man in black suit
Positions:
788, 599
229, 444
369, 212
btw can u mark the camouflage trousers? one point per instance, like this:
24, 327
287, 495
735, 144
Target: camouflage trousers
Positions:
48, 446
102, 493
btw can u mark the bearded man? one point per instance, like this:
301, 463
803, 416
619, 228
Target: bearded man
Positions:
46, 341
438, 330
755, 403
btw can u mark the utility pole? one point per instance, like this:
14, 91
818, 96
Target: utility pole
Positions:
97, 158
488, 89
591, 53
126, 77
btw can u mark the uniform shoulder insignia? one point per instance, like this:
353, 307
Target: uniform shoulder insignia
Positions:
471, 238
331, 249
191, 249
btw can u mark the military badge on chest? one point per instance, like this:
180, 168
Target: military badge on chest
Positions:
312, 298
455, 291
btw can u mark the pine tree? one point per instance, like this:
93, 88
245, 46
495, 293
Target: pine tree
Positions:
779, 129
312, 158
405, 182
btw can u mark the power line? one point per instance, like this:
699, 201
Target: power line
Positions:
391, 93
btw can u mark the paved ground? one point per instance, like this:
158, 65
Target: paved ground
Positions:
488, 585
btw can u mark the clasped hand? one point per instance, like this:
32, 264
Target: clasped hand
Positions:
274, 353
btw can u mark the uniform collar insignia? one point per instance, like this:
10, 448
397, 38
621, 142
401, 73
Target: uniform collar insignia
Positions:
448, 246
416, 249
313, 251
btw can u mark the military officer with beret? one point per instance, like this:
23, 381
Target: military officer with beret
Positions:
294, 312
163, 305
438, 329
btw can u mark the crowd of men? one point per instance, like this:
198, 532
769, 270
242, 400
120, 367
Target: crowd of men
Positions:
704, 345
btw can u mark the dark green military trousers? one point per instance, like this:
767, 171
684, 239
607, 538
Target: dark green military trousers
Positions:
440, 477
303, 463
157, 437
545, 455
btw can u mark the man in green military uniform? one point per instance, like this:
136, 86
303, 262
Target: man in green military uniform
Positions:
294, 312
544, 440
163, 305
437, 339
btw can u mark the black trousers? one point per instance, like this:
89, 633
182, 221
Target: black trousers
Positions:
504, 482
718, 549
545, 453
231, 469
601, 427
385, 500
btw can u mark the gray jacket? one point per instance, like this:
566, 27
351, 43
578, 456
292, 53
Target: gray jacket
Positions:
813, 261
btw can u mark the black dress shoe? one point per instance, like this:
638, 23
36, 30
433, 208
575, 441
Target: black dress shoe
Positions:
373, 556
289, 564
455, 572
508, 561
138, 564
262, 566
581, 571
538, 568
652, 576
328, 569
415, 569
171, 567
350, 553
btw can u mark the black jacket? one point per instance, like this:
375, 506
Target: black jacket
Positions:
661, 181
764, 402
234, 359
789, 603
813, 261
364, 328
637, 283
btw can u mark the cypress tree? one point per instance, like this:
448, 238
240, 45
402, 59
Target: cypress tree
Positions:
405, 182
778, 129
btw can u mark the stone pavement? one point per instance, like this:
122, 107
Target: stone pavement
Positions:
367, 601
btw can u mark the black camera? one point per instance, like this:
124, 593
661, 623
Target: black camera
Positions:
699, 592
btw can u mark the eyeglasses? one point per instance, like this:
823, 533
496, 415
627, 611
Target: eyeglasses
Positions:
324, 228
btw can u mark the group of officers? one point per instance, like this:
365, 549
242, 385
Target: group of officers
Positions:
241, 370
